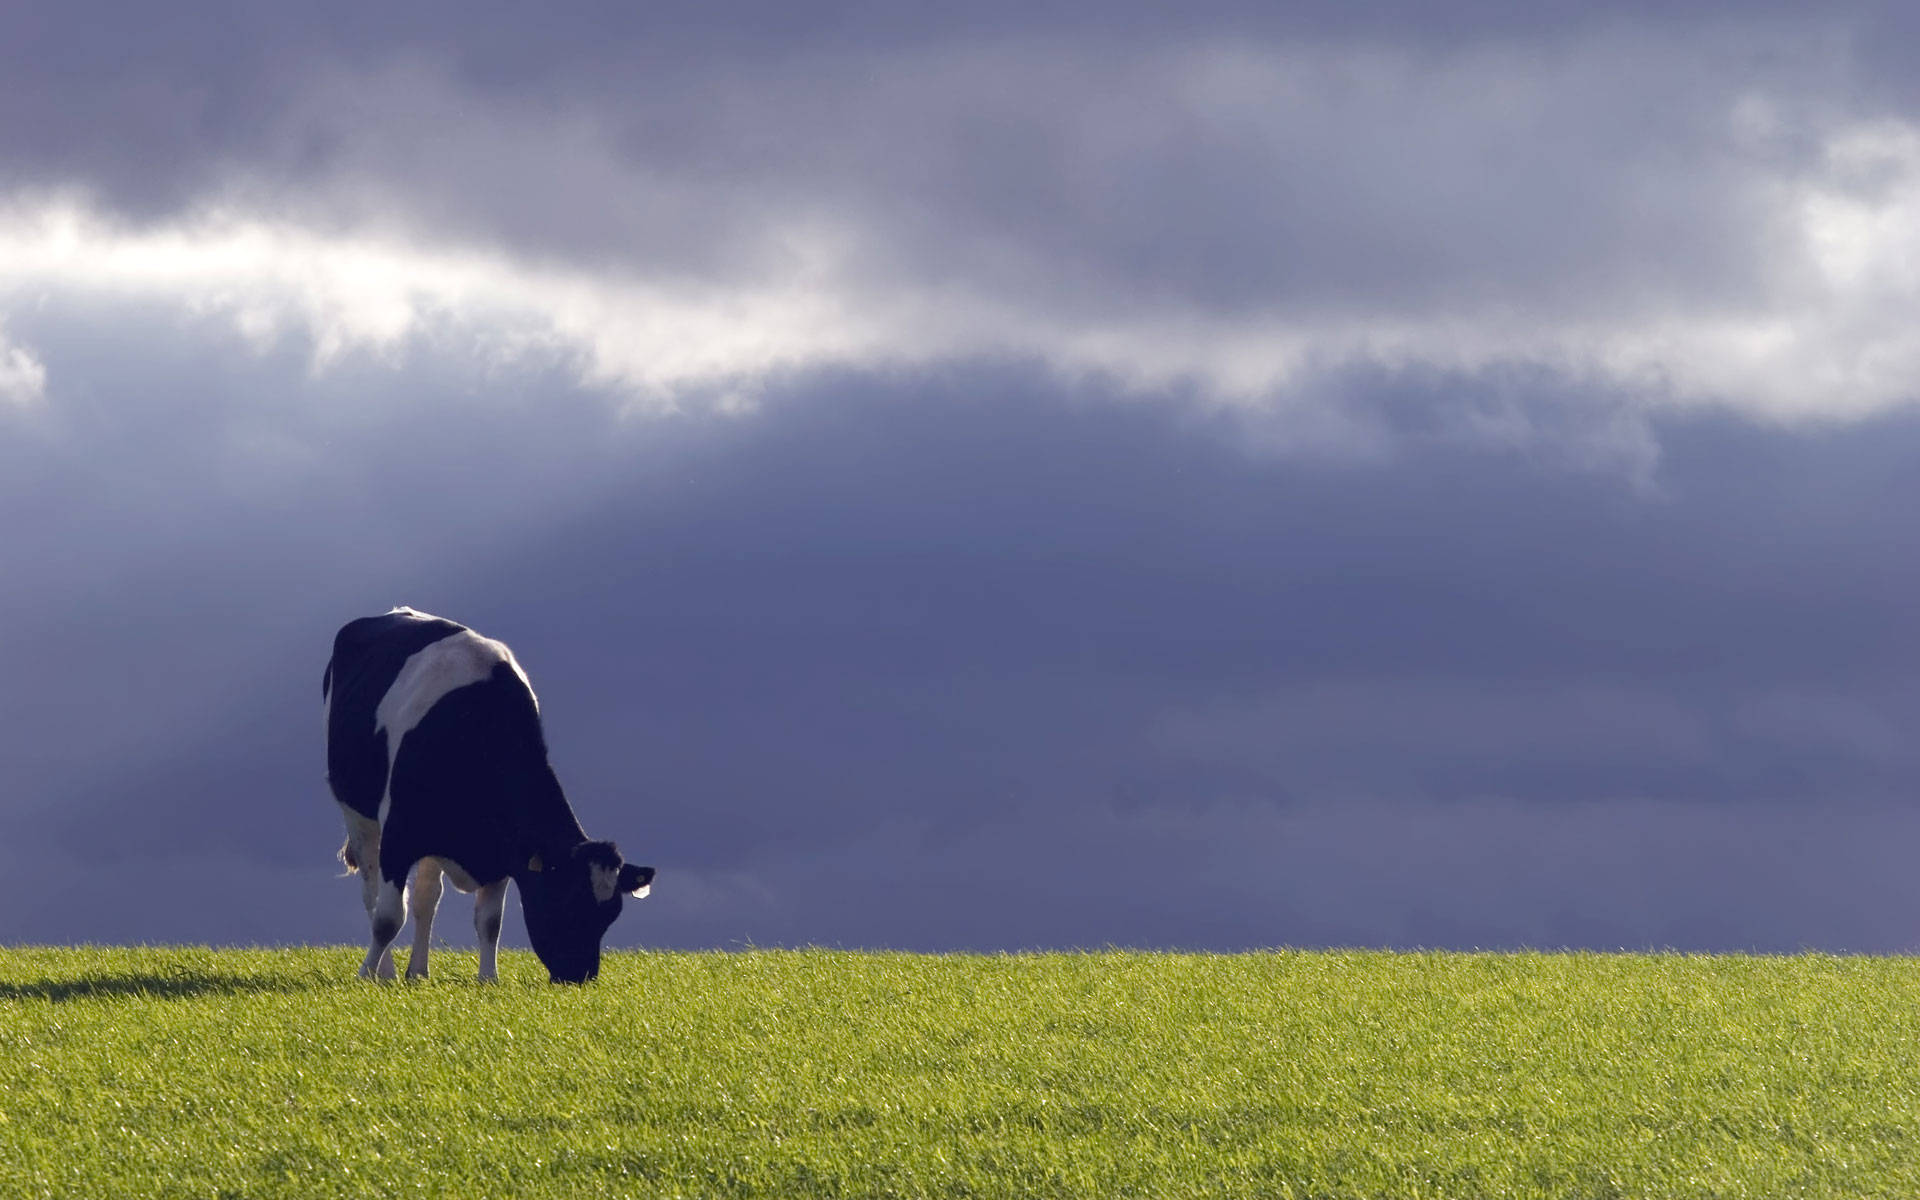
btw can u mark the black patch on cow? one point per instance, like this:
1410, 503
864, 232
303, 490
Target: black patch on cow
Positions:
471, 783
367, 657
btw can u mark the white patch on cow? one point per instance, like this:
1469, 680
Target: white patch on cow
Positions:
605, 881
427, 676
640, 893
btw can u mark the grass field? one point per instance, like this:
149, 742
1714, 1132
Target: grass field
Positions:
189, 1072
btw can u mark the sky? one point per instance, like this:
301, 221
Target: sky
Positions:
1014, 476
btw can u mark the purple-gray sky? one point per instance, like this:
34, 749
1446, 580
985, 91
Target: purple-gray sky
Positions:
1022, 475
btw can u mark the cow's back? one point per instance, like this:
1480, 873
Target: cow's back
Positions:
368, 657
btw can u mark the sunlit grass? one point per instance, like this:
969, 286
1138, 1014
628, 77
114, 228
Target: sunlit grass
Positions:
824, 1073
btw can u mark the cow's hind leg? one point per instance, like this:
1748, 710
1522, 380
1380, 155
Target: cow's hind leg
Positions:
387, 911
362, 854
489, 906
423, 896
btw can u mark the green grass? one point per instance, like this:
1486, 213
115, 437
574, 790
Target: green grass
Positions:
145, 1072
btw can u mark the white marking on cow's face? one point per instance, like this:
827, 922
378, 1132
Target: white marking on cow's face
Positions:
605, 881
427, 676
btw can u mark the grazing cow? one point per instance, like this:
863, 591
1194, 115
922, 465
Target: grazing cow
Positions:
435, 754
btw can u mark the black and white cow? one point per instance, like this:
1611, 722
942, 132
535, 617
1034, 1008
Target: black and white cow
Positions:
436, 756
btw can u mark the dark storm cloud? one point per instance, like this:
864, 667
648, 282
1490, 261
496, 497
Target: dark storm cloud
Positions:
1483, 874
188, 509
1008, 667
1207, 481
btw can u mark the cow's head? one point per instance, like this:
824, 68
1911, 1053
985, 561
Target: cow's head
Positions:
570, 898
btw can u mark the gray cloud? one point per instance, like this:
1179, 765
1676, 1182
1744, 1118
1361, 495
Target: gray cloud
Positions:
995, 667
1696, 208
1245, 480
1194, 173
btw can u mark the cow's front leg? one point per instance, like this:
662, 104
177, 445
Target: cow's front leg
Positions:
489, 906
387, 912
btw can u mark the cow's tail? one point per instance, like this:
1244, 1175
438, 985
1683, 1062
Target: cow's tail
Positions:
347, 859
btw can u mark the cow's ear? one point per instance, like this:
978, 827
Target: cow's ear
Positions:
535, 864
636, 881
